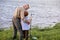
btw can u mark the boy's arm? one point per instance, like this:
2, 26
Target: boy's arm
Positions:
29, 21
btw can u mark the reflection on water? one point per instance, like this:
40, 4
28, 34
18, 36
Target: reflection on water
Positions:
46, 12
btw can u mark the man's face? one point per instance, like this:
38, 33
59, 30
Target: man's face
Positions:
26, 6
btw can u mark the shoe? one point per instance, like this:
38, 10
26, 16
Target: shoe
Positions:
13, 38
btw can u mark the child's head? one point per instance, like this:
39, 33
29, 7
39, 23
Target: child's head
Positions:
25, 13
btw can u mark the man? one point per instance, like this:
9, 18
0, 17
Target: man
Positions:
17, 17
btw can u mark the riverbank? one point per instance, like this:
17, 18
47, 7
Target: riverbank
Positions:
44, 34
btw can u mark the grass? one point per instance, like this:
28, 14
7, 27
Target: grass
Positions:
44, 34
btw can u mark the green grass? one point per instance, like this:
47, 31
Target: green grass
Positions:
44, 34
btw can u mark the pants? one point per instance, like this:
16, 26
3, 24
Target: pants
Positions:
17, 26
25, 34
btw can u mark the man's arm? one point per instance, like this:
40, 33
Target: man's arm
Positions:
29, 20
22, 14
22, 17
18, 12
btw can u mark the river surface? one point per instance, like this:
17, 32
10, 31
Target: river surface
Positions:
45, 12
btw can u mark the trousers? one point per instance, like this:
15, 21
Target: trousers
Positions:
17, 26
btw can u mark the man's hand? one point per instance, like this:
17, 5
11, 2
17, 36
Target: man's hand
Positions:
30, 19
28, 23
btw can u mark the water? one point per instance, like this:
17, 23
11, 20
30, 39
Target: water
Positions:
46, 12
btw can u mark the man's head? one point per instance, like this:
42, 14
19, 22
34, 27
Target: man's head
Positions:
26, 6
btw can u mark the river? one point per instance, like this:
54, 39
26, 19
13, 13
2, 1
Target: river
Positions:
46, 12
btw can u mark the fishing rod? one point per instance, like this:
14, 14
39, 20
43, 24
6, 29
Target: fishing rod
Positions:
32, 37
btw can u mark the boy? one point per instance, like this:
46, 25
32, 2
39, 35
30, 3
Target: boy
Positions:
26, 25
